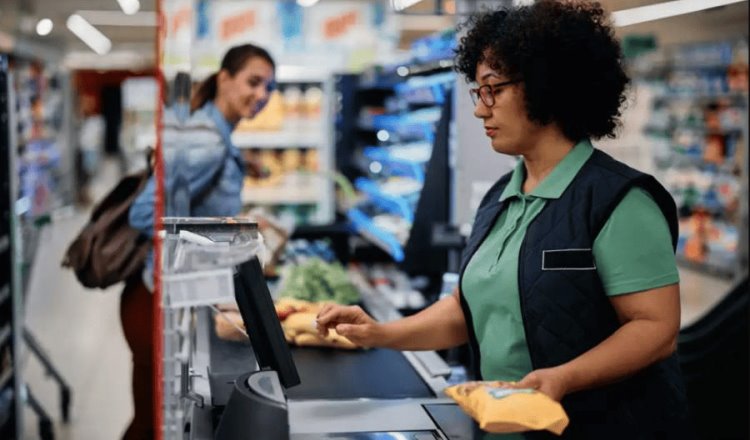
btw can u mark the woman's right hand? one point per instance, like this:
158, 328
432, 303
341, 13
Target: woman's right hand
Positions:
351, 322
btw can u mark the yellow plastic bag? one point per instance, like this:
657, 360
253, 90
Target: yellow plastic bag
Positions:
499, 409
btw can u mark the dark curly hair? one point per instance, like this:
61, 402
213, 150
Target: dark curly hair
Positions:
566, 55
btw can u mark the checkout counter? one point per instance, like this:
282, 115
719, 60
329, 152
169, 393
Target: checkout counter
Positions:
342, 394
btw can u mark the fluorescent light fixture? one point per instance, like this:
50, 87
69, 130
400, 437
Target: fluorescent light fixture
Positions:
117, 18
400, 5
97, 41
44, 27
129, 7
306, 3
657, 11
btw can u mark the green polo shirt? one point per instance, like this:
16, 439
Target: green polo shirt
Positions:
633, 252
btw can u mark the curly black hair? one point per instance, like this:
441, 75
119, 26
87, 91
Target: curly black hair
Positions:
566, 55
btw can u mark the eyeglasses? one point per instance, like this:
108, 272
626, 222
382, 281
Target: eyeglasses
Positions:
486, 93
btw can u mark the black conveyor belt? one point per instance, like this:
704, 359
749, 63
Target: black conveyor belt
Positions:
325, 373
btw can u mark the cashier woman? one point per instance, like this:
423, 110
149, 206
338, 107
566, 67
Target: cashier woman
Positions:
568, 282
213, 172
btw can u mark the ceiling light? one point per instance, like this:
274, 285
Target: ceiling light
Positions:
306, 3
657, 11
400, 5
44, 27
129, 7
117, 18
90, 35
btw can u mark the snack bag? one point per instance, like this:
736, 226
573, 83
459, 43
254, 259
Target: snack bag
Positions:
498, 409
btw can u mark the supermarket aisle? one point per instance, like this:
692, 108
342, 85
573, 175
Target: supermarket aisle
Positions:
80, 329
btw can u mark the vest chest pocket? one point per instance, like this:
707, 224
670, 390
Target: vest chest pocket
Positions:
568, 259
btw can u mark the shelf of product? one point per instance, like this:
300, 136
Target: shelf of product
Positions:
395, 167
38, 109
9, 380
698, 132
291, 142
371, 225
279, 140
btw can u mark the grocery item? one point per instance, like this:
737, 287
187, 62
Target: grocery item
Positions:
271, 118
227, 325
316, 280
499, 409
300, 329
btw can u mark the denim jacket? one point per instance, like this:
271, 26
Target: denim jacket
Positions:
203, 172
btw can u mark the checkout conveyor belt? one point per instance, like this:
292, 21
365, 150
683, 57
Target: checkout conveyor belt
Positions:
325, 373
365, 394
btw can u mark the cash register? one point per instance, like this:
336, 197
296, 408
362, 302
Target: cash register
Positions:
271, 391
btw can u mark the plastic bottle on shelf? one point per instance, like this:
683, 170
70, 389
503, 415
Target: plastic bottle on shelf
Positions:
291, 163
312, 105
292, 96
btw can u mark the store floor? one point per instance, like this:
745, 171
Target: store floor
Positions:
80, 330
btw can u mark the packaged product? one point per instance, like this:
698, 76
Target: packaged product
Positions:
298, 321
499, 409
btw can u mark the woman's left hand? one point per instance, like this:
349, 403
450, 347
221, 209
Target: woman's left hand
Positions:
551, 381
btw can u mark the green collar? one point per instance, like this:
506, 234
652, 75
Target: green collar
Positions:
557, 181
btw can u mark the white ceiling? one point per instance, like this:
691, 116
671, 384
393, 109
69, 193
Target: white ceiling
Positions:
18, 17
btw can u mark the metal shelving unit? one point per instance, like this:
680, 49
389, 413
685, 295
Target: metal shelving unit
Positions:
394, 146
10, 412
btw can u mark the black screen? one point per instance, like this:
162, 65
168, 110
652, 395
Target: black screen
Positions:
262, 323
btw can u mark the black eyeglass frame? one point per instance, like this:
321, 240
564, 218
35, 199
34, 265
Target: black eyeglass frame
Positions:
476, 92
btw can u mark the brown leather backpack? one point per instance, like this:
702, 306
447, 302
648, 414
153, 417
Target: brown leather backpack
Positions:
108, 250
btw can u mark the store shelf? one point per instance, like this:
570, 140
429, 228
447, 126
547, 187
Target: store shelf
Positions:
694, 129
395, 165
737, 97
298, 195
382, 239
386, 202
279, 139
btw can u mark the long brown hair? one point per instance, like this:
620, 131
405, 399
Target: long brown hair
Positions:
234, 60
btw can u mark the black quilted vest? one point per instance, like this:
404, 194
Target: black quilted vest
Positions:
566, 311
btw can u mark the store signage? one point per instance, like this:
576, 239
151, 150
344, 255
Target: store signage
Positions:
181, 19
336, 27
236, 25
239, 21
178, 17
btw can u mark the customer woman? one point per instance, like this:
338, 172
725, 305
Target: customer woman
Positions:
568, 283
199, 160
